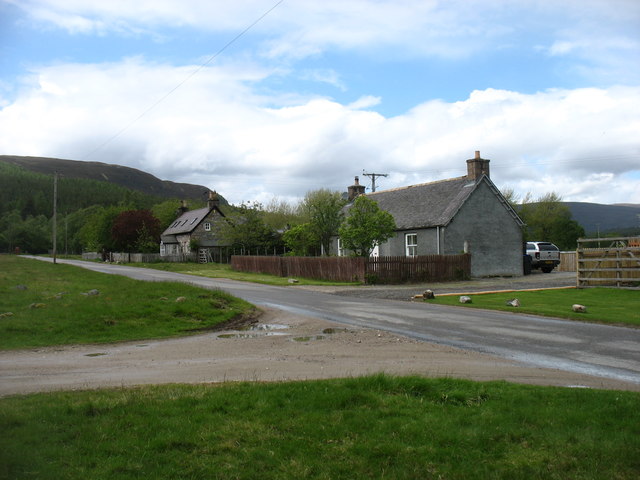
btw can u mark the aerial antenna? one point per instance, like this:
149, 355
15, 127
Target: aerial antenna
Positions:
373, 178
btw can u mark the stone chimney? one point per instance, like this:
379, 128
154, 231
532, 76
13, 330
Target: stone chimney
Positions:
214, 200
355, 189
476, 167
182, 208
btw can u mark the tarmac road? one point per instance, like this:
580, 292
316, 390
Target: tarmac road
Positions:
605, 351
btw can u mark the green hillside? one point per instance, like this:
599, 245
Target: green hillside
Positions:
127, 177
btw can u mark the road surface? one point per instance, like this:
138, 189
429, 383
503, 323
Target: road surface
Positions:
609, 352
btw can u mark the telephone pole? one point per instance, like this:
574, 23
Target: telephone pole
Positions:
55, 214
373, 178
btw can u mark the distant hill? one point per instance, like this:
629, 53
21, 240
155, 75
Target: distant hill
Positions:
596, 217
127, 177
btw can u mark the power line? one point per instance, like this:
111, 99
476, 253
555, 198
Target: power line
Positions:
191, 75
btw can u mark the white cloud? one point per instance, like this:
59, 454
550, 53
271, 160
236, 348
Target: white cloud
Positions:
217, 131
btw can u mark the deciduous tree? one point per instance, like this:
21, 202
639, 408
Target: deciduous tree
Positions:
323, 208
366, 226
136, 230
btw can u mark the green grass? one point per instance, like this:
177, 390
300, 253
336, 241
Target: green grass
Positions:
125, 309
372, 427
604, 305
220, 270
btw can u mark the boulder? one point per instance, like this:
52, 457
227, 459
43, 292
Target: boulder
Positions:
579, 308
21, 287
513, 303
181, 299
294, 280
465, 299
6, 314
428, 295
93, 292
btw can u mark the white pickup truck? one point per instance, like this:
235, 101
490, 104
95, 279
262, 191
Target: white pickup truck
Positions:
544, 255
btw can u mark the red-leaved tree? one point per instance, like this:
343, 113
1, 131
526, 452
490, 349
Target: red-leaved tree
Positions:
136, 230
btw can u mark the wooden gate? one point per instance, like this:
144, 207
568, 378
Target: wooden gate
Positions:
611, 262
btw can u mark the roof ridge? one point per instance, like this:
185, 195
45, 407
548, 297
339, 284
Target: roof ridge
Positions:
407, 187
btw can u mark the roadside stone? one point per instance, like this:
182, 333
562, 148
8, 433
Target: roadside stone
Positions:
37, 305
294, 280
181, 299
465, 299
513, 303
428, 295
579, 308
6, 314
21, 287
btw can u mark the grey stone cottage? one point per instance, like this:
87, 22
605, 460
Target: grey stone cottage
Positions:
464, 214
194, 228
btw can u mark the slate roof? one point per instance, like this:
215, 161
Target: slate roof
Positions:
184, 224
431, 204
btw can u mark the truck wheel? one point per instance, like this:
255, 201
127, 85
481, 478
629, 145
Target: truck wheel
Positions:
547, 269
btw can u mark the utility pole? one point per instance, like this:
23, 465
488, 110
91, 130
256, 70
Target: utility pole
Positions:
55, 213
373, 178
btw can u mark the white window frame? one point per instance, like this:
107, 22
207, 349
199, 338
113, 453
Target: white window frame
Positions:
340, 248
207, 227
411, 244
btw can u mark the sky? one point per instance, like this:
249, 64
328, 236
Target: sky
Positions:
266, 100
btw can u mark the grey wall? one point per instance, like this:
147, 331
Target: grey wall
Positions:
427, 244
494, 237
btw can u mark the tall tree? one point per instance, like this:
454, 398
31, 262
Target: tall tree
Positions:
245, 227
136, 230
366, 226
302, 240
548, 219
323, 208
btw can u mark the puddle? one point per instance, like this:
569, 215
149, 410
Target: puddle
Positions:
330, 331
251, 335
309, 338
95, 354
266, 327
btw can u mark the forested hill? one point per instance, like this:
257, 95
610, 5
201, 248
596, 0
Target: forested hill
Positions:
126, 177
595, 217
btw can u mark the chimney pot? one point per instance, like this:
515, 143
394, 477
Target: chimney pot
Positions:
477, 154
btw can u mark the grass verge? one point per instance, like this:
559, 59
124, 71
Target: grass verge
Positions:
372, 427
604, 305
220, 270
52, 305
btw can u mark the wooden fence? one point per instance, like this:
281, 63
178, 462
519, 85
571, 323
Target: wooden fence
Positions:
567, 262
335, 269
612, 262
385, 270
124, 257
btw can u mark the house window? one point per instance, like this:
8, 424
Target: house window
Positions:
411, 244
340, 248
207, 227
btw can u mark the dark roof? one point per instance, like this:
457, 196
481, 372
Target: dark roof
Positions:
186, 222
431, 204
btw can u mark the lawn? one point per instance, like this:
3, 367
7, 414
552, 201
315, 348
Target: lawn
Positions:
372, 427
604, 305
46, 304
